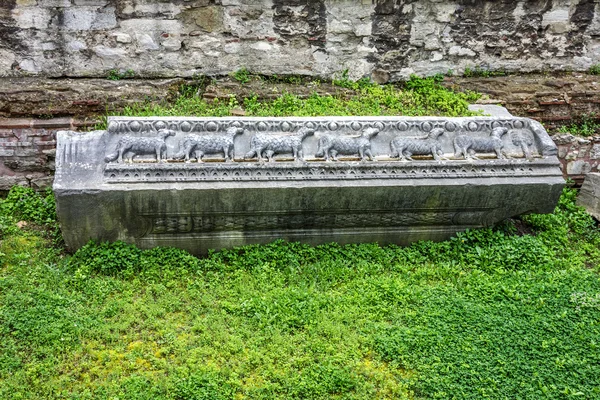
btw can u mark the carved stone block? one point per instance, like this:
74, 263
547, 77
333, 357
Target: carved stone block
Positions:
267, 145
201, 145
332, 145
361, 179
589, 196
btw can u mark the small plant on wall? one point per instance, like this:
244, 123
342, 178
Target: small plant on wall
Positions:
242, 75
116, 74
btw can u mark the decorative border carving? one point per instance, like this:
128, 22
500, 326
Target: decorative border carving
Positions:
126, 125
315, 171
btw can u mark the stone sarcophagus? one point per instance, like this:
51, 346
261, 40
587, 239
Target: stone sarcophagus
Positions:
212, 183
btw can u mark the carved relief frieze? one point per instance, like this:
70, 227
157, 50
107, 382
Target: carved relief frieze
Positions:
209, 183
440, 140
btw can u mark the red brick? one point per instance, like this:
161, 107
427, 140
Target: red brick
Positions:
46, 143
14, 123
77, 123
517, 102
26, 152
552, 103
548, 94
37, 132
6, 133
578, 94
557, 118
56, 123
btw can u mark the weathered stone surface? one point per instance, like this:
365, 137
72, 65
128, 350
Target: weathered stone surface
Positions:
491, 110
384, 39
158, 199
27, 97
554, 99
589, 195
27, 150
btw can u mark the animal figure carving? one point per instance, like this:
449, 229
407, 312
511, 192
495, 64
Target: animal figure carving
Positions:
332, 145
141, 145
467, 146
404, 147
201, 145
525, 142
266, 146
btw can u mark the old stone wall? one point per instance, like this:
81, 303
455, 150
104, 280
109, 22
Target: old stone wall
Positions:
27, 151
554, 99
384, 39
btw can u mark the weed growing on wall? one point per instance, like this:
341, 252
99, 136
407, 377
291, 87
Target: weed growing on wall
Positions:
242, 75
595, 69
115, 74
492, 313
587, 125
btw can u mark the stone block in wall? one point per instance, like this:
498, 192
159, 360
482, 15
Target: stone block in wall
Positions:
110, 53
209, 19
589, 195
87, 18
32, 17
6, 152
41, 182
100, 3
7, 59
54, 3
148, 25
595, 152
7, 182
151, 9
557, 21
26, 3
578, 167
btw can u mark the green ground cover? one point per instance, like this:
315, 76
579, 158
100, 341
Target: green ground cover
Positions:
494, 314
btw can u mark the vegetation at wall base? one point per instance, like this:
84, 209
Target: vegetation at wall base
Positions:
586, 125
116, 74
417, 97
492, 313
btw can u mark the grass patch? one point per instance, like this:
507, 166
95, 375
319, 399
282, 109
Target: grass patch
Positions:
488, 314
418, 97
